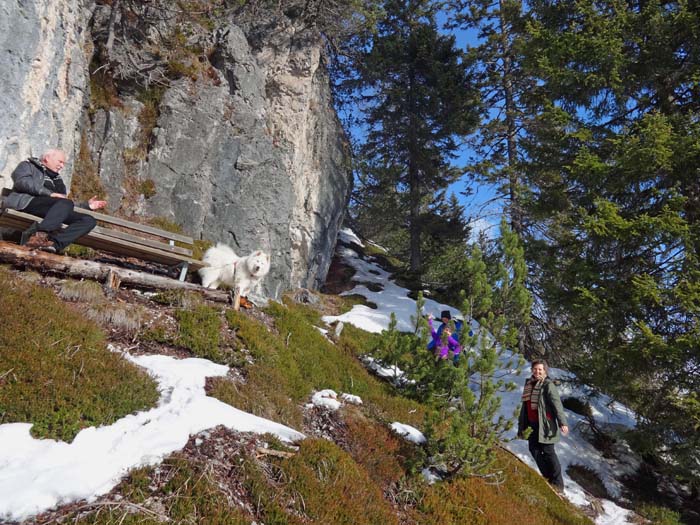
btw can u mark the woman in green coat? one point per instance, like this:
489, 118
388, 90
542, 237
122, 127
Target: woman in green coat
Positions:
543, 412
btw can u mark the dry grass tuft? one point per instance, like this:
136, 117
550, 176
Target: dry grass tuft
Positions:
128, 318
82, 291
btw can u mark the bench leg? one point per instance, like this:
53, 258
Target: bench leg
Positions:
183, 271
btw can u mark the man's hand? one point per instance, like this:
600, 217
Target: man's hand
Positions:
564, 430
58, 196
95, 204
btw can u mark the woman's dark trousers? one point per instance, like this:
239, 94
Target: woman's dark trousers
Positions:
56, 211
546, 459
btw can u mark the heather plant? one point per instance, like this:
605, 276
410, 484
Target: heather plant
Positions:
187, 494
522, 496
320, 484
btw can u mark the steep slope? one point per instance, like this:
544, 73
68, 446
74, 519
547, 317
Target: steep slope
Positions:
350, 468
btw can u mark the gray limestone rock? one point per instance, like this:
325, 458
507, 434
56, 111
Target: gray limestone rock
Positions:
255, 158
249, 151
44, 78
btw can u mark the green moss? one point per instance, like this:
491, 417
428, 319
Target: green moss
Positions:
199, 248
165, 224
147, 188
56, 371
199, 331
79, 252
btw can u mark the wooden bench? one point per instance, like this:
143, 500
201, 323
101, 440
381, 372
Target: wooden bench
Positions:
122, 237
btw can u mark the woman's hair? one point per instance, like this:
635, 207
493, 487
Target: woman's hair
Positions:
540, 362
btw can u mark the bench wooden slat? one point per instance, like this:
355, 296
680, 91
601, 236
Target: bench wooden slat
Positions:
100, 241
108, 219
23, 220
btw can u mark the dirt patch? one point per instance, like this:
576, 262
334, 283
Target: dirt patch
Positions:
339, 278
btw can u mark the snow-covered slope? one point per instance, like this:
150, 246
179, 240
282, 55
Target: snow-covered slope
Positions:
574, 449
38, 474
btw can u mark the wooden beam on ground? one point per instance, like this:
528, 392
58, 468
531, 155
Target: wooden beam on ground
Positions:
22, 257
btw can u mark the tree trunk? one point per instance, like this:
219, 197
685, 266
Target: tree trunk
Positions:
511, 129
414, 225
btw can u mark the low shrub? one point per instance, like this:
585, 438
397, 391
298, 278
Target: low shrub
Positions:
376, 448
178, 298
659, 515
55, 368
523, 497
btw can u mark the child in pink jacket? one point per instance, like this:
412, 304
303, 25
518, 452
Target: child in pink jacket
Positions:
444, 342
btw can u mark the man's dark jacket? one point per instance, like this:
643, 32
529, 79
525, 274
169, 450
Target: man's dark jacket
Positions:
32, 179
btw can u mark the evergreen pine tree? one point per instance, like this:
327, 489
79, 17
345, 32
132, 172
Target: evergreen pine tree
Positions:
417, 96
614, 160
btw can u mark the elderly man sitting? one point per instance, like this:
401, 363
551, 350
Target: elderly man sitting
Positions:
38, 189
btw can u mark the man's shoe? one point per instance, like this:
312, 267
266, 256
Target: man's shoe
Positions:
39, 241
27, 234
51, 248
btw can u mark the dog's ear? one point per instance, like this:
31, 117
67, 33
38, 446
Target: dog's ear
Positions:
268, 257
257, 253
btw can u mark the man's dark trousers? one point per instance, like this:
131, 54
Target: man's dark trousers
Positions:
546, 458
56, 211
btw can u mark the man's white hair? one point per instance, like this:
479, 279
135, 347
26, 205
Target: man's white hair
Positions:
52, 153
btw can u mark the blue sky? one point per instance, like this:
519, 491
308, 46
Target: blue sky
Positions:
481, 206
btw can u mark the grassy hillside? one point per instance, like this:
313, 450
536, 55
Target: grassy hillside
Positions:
55, 369
352, 469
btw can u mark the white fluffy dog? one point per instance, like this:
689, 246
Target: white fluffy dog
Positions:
225, 267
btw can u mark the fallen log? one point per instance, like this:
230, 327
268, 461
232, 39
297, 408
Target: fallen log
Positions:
112, 276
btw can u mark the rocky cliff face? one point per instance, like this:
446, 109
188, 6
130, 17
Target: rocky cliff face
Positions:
224, 128
43, 87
